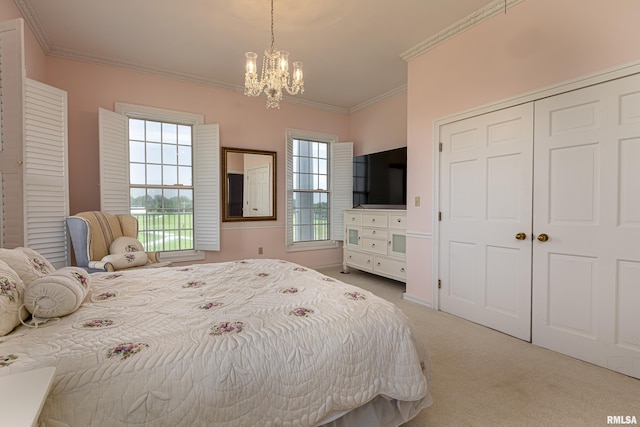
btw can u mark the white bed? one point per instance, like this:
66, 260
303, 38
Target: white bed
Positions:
246, 343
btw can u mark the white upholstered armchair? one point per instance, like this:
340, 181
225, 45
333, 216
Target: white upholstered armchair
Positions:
107, 242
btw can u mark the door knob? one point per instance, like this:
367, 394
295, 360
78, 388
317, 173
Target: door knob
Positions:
521, 236
543, 237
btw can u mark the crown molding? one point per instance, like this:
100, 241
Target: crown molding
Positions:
494, 8
30, 16
188, 78
314, 104
94, 59
379, 98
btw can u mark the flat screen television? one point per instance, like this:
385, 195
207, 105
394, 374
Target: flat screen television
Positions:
380, 179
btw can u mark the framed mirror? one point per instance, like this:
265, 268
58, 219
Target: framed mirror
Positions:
248, 185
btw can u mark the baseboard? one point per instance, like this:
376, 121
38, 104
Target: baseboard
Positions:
420, 301
316, 267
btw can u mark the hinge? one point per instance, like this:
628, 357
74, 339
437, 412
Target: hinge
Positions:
439, 216
439, 284
440, 147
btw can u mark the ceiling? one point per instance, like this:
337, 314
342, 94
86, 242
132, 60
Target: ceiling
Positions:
352, 50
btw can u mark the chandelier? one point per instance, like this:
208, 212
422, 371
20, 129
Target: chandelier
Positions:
274, 76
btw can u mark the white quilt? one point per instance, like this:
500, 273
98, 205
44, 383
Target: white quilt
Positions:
247, 343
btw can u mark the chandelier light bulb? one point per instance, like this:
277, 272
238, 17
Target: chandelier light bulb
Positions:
252, 58
297, 72
284, 61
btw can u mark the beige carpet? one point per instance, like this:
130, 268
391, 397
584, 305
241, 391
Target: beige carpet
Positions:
485, 378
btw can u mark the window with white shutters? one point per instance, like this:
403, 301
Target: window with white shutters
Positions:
319, 188
162, 167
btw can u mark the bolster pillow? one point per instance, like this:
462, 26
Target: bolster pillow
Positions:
57, 294
126, 260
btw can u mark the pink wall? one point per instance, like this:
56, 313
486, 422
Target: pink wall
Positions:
244, 123
381, 126
536, 44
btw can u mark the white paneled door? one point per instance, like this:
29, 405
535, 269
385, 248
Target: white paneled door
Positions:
586, 276
257, 190
485, 201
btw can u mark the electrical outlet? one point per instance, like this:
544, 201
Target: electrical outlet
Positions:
417, 201
260, 250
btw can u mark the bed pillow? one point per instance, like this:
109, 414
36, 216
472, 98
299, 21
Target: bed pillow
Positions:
11, 297
58, 294
125, 244
126, 260
29, 264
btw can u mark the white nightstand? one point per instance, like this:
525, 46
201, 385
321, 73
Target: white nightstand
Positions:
23, 395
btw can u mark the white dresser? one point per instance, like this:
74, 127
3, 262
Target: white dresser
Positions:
375, 241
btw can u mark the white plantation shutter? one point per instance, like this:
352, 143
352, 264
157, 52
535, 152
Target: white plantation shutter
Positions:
45, 171
206, 187
114, 162
341, 186
289, 201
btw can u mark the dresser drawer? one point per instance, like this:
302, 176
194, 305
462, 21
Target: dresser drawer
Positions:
375, 232
377, 246
398, 221
359, 260
391, 267
352, 218
374, 220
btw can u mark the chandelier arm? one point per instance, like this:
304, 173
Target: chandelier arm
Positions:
292, 91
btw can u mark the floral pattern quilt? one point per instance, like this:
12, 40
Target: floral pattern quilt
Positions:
245, 343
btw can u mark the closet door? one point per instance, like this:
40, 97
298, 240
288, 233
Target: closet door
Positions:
485, 202
586, 276
12, 77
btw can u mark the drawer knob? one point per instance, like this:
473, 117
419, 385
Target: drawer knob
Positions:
378, 264
402, 270
373, 232
399, 220
373, 220
373, 245
368, 261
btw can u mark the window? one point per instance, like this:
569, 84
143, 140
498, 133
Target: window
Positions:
319, 188
161, 184
163, 167
310, 190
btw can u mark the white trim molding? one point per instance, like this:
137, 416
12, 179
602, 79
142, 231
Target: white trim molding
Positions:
419, 235
416, 300
494, 8
379, 98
